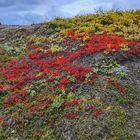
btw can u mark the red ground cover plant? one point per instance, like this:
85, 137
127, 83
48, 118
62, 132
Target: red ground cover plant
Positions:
97, 113
73, 102
117, 85
1, 120
71, 115
44, 65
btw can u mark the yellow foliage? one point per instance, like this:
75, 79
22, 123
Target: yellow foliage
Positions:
55, 48
122, 22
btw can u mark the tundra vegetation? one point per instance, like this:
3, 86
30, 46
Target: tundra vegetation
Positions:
73, 79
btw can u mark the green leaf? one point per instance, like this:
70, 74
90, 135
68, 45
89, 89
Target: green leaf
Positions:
33, 93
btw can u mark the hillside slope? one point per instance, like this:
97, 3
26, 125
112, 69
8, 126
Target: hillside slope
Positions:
71, 79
